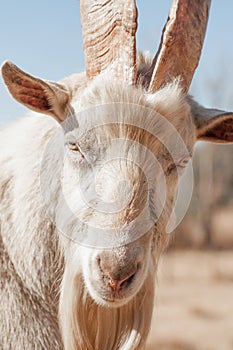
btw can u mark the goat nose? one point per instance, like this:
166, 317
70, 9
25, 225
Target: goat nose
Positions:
116, 285
117, 278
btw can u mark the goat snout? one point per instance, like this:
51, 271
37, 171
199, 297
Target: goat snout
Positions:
116, 276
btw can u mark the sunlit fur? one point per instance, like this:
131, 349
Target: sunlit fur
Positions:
87, 327
43, 271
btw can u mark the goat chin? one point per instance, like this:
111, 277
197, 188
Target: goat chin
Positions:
87, 325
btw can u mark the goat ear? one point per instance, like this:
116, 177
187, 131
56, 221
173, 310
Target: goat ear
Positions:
39, 95
212, 125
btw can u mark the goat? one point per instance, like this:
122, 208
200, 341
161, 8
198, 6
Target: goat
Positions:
88, 188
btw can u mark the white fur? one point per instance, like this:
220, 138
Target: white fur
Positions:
43, 270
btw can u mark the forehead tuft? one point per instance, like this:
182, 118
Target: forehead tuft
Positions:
120, 103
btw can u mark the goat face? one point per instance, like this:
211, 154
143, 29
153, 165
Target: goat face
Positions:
118, 183
120, 149
124, 151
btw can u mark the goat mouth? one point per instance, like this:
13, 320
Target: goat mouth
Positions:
110, 300
117, 298
115, 301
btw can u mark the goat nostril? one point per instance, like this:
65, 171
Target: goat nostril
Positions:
119, 282
116, 280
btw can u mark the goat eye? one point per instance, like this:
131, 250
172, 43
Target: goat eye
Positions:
183, 162
178, 166
73, 147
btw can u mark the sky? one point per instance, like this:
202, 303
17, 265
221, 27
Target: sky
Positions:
44, 39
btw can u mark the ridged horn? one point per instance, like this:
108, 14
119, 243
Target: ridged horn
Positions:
181, 44
108, 30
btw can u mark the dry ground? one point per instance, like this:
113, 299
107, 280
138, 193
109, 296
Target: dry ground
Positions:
194, 303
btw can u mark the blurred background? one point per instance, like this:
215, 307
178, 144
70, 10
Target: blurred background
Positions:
194, 303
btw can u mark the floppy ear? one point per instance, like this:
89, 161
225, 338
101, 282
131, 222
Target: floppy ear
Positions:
212, 125
39, 95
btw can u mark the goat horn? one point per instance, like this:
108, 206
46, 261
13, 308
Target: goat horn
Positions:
181, 44
109, 29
